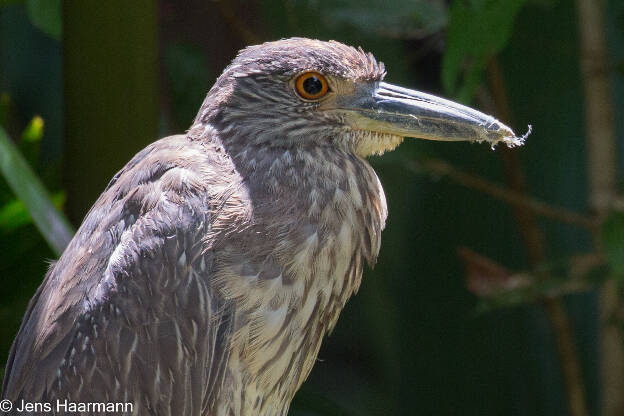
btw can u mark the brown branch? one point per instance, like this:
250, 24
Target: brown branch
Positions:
491, 281
600, 129
601, 170
560, 322
442, 168
236, 23
534, 241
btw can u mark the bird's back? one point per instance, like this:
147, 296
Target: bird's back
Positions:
127, 314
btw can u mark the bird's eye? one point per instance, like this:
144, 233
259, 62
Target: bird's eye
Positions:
311, 85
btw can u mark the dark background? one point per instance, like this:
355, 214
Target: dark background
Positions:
109, 77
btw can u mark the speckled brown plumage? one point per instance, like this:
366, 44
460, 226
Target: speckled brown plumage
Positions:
205, 276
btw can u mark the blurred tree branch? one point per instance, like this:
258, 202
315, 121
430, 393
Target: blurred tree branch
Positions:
440, 167
497, 287
601, 164
235, 21
469, 20
534, 241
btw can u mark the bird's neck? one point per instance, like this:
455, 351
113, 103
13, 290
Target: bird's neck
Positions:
319, 184
319, 212
314, 215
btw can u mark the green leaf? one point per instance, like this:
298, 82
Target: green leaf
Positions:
34, 130
14, 214
406, 19
612, 235
46, 16
477, 30
28, 188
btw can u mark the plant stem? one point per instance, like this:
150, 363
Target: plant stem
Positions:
601, 171
51, 223
534, 241
517, 199
236, 23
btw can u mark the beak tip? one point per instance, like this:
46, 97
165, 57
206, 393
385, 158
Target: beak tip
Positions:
502, 133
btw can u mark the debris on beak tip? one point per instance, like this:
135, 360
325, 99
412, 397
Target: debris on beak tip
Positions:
513, 140
510, 139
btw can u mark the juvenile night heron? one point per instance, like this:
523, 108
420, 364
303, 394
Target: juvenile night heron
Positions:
205, 276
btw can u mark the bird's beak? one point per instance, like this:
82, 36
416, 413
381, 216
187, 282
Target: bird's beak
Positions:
403, 112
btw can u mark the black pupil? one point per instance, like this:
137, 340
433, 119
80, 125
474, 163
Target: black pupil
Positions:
312, 85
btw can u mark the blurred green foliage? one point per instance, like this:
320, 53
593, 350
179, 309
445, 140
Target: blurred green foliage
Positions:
405, 19
477, 31
14, 214
45, 15
33, 132
186, 72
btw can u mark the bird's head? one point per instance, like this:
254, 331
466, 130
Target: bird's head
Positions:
303, 92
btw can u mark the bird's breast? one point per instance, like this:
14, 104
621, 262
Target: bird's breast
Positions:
285, 315
294, 269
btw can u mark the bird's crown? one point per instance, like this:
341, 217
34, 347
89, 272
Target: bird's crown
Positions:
294, 55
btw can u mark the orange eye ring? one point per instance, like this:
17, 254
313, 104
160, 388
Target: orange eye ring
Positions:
311, 85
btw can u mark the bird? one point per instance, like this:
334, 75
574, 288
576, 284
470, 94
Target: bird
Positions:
206, 275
